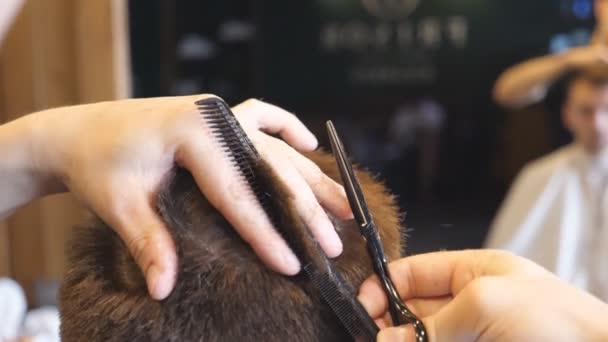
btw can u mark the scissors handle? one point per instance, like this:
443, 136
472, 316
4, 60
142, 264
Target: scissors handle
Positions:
400, 313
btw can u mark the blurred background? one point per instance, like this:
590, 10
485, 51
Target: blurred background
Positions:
408, 84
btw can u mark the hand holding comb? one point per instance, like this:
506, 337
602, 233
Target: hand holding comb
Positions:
258, 175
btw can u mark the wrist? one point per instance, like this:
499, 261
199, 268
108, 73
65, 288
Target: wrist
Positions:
45, 149
24, 141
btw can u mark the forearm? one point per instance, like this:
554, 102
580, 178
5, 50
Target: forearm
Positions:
528, 82
23, 177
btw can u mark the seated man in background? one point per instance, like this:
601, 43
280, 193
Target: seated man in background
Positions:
529, 82
543, 79
556, 211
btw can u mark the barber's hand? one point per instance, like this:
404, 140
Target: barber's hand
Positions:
114, 156
486, 295
587, 55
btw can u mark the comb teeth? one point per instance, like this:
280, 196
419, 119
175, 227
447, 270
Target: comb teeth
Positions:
232, 137
342, 302
234, 141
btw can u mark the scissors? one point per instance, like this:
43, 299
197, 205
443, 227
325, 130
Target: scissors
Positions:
400, 313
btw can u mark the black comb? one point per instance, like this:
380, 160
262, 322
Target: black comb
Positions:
320, 270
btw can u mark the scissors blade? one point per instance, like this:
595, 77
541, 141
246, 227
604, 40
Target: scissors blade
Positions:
349, 179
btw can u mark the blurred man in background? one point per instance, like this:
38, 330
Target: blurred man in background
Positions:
529, 82
556, 212
542, 79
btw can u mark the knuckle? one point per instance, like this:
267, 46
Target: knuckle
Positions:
501, 254
233, 197
317, 178
291, 117
138, 245
480, 292
313, 213
319, 183
495, 259
252, 102
282, 146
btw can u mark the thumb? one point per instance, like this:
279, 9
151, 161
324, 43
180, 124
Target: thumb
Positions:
457, 321
397, 334
437, 328
151, 245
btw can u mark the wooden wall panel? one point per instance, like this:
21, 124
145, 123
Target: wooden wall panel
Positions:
5, 252
20, 90
59, 52
5, 269
102, 50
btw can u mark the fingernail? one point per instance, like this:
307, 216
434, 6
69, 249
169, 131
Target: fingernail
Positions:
313, 142
398, 334
160, 283
348, 213
334, 244
291, 263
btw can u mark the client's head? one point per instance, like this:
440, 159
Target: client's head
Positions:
223, 292
585, 111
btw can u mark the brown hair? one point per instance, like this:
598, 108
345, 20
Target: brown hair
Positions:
223, 291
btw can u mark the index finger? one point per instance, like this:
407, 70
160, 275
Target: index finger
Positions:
275, 120
440, 274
